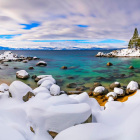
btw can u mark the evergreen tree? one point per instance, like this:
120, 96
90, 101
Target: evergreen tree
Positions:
130, 44
136, 34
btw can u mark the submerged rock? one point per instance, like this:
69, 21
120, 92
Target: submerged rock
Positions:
131, 67
109, 64
97, 84
34, 76
63, 67
25, 61
71, 85
31, 68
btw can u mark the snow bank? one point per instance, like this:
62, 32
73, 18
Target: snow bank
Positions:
124, 52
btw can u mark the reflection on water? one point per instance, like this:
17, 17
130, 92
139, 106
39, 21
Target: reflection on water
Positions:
83, 66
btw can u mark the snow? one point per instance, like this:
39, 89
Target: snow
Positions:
22, 73
47, 84
50, 78
18, 89
39, 90
55, 90
119, 121
133, 85
110, 99
124, 52
99, 89
117, 83
118, 90
4, 87
114, 94
43, 76
66, 114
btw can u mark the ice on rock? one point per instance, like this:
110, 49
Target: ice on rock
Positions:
19, 89
47, 84
39, 90
50, 78
55, 90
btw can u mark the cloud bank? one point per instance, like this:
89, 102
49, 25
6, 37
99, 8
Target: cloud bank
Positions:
67, 23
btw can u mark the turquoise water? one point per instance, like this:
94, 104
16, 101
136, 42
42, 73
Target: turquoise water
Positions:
82, 65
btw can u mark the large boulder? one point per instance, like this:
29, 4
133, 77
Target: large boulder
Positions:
20, 91
41, 63
100, 90
22, 74
132, 87
119, 91
55, 90
115, 84
25, 61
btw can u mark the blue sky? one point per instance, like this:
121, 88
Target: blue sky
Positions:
63, 24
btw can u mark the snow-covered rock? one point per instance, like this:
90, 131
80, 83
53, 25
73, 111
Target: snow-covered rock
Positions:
100, 90
22, 74
41, 63
55, 90
132, 87
119, 91
112, 94
115, 84
19, 91
46, 78
39, 90
47, 84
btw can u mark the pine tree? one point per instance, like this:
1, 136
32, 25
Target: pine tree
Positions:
136, 34
130, 44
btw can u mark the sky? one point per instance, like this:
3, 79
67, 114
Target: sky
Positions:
68, 23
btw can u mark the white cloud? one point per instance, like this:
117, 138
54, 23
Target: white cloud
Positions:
106, 19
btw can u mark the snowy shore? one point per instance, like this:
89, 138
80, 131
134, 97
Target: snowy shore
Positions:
46, 112
121, 53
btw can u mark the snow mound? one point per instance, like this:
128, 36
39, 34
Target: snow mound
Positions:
55, 89
47, 84
133, 85
39, 90
18, 89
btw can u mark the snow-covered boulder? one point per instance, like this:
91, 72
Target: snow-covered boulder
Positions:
22, 74
39, 90
41, 63
55, 90
115, 84
100, 90
132, 87
20, 91
112, 94
110, 99
58, 118
41, 77
119, 91
47, 84
46, 78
